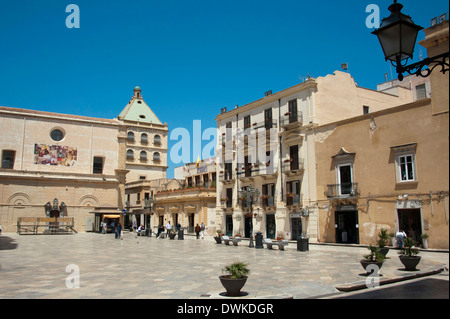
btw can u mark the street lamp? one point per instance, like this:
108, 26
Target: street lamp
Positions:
251, 195
397, 35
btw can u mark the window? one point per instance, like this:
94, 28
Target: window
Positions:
130, 154
98, 165
406, 166
57, 135
228, 131
292, 193
247, 123
143, 178
366, 110
143, 155
157, 140
8, 159
156, 157
421, 91
130, 136
144, 138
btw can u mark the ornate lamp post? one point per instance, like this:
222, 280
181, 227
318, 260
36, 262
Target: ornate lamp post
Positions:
252, 196
150, 203
397, 35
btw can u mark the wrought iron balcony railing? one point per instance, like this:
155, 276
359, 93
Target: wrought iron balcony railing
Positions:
342, 190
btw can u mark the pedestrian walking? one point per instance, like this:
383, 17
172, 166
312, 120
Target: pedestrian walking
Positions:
119, 231
197, 230
202, 230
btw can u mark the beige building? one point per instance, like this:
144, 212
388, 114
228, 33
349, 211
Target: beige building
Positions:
282, 166
191, 202
79, 161
388, 169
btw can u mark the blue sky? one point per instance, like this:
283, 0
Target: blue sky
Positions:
191, 58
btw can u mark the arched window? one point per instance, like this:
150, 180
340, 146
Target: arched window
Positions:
130, 136
143, 155
157, 140
130, 154
144, 138
156, 157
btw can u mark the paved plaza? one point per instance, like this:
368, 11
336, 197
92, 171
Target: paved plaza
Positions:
43, 266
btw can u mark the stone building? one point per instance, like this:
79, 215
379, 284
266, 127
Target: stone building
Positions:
79, 161
267, 144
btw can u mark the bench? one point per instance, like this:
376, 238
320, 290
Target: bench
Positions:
162, 235
226, 240
140, 232
236, 240
271, 243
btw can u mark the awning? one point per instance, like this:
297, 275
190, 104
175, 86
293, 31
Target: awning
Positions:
111, 215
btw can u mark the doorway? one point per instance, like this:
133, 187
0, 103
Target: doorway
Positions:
296, 226
248, 227
270, 226
410, 222
346, 223
229, 225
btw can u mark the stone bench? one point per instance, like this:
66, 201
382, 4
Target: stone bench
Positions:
234, 240
281, 244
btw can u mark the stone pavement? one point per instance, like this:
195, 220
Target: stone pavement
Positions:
145, 267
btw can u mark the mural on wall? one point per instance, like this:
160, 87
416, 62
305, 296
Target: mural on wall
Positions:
55, 155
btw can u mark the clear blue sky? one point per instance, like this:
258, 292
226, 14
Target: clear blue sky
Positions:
191, 58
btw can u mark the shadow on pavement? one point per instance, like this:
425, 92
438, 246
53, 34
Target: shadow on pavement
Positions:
7, 243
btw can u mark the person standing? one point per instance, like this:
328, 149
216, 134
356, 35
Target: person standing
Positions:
119, 231
168, 227
197, 230
202, 230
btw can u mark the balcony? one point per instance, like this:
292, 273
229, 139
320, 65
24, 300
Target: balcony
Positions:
289, 120
292, 167
267, 202
294, 200
345, 193
226, 176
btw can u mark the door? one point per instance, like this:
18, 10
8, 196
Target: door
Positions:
345, 179
229, 225
270, 226
346, 223
268, 118
248, 227
296, 226
410, 222
293, 155
293, 111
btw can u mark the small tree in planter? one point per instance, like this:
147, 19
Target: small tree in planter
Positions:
382, 242
408, 255
374, 258
236, 278
218, 238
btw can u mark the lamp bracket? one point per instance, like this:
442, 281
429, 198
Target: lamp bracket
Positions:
419, 69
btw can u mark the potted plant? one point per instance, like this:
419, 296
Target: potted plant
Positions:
424, 240
374, 258
236, 278
218, 238
383, 239
290, 195
172, 233
408, 255
280, 235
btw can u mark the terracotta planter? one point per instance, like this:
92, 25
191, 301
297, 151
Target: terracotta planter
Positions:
233, 286
410, 263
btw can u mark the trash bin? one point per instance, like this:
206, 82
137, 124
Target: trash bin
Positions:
259, 240
302, 244
181, 234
